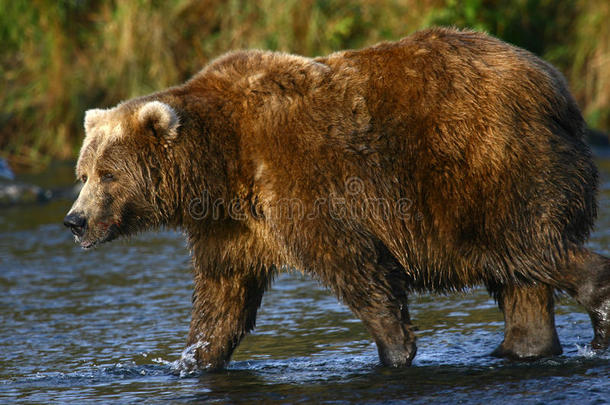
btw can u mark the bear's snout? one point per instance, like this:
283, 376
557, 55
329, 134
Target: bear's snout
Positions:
76, 222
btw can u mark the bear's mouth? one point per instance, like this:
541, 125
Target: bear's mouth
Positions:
111, 232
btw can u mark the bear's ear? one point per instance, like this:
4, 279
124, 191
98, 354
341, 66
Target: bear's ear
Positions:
93, 118
159, 118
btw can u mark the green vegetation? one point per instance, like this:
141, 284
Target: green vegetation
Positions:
61, 57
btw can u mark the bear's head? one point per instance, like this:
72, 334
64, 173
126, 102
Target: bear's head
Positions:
118, 165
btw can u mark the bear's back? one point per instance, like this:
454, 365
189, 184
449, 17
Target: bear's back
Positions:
486, 141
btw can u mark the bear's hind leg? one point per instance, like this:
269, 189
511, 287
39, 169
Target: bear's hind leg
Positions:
587, 279
529, 322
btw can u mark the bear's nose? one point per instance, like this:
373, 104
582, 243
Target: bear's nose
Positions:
76, 223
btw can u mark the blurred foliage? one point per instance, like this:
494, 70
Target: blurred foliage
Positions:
62, 57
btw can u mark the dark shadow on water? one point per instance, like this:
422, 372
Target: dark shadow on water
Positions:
337, 380
542, 381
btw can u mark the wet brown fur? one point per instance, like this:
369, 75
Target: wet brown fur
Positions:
482, 141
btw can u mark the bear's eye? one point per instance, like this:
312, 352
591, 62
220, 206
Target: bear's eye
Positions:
107, 177
83, 178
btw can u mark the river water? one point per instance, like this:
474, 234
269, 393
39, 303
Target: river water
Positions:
109, 326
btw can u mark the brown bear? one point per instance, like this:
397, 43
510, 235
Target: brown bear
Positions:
446, 160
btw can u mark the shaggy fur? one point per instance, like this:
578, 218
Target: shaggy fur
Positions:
445, 160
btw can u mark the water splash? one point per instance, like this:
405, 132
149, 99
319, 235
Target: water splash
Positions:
586, 351
186, 365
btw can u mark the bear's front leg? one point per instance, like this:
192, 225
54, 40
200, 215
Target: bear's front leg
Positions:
377, 294
390, 325
225, 302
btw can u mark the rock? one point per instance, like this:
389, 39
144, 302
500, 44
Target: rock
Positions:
5, 170
18, 193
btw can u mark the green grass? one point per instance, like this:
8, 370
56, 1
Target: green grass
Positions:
60, 58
